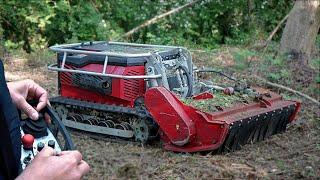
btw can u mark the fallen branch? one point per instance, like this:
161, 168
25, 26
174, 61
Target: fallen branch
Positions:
287, 89
275, 30
158, 17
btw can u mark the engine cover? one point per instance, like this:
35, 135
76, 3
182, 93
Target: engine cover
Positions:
105, 90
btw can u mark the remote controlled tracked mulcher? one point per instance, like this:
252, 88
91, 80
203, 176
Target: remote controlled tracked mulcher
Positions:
140, 92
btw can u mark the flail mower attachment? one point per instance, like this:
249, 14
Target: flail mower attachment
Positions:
187, 129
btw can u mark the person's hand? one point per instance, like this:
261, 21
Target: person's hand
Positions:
50, 166
24, 90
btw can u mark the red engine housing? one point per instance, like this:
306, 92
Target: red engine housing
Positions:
120, 91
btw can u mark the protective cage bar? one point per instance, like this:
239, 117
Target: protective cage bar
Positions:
66, 48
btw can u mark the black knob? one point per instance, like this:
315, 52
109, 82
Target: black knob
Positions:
51, 143
40, 146
36, 128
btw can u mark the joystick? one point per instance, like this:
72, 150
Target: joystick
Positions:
37, 128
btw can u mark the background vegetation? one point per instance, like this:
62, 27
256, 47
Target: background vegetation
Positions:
33, 24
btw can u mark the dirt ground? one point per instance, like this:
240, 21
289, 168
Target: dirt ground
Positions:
291, 155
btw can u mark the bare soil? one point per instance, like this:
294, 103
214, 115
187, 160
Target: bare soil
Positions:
291, 155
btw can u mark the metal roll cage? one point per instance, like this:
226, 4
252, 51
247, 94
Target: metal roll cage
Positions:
66, 49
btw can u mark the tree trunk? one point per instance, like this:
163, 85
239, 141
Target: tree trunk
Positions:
301, 30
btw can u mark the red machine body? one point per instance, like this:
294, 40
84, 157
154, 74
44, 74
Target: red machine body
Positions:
186, 129
121, 91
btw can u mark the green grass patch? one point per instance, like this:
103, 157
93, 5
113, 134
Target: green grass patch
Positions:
220, 100
242, 59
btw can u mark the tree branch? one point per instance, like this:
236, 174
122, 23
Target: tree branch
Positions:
159, 17
95, 6
275, 30
286, 88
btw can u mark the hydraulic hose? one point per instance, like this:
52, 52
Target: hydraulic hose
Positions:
220, 73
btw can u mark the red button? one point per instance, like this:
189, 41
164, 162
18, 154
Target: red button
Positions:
27, 141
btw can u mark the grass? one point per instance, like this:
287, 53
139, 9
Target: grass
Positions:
36, 58
220, 100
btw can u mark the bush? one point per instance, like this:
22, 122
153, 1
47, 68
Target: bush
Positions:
37, 24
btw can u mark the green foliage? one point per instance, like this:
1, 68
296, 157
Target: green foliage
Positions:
317, 79
277, 71
33, 24
243, 59
278, 61
220, 100
273, 76
315, 63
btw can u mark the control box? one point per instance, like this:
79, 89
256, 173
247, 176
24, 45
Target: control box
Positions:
36, 134
32, 146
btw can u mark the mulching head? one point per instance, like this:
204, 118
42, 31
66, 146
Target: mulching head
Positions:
187, 129
256, 128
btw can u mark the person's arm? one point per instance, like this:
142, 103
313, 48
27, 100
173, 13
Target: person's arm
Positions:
51, 166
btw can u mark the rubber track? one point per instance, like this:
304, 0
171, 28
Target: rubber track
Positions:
142, 113
138, 112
